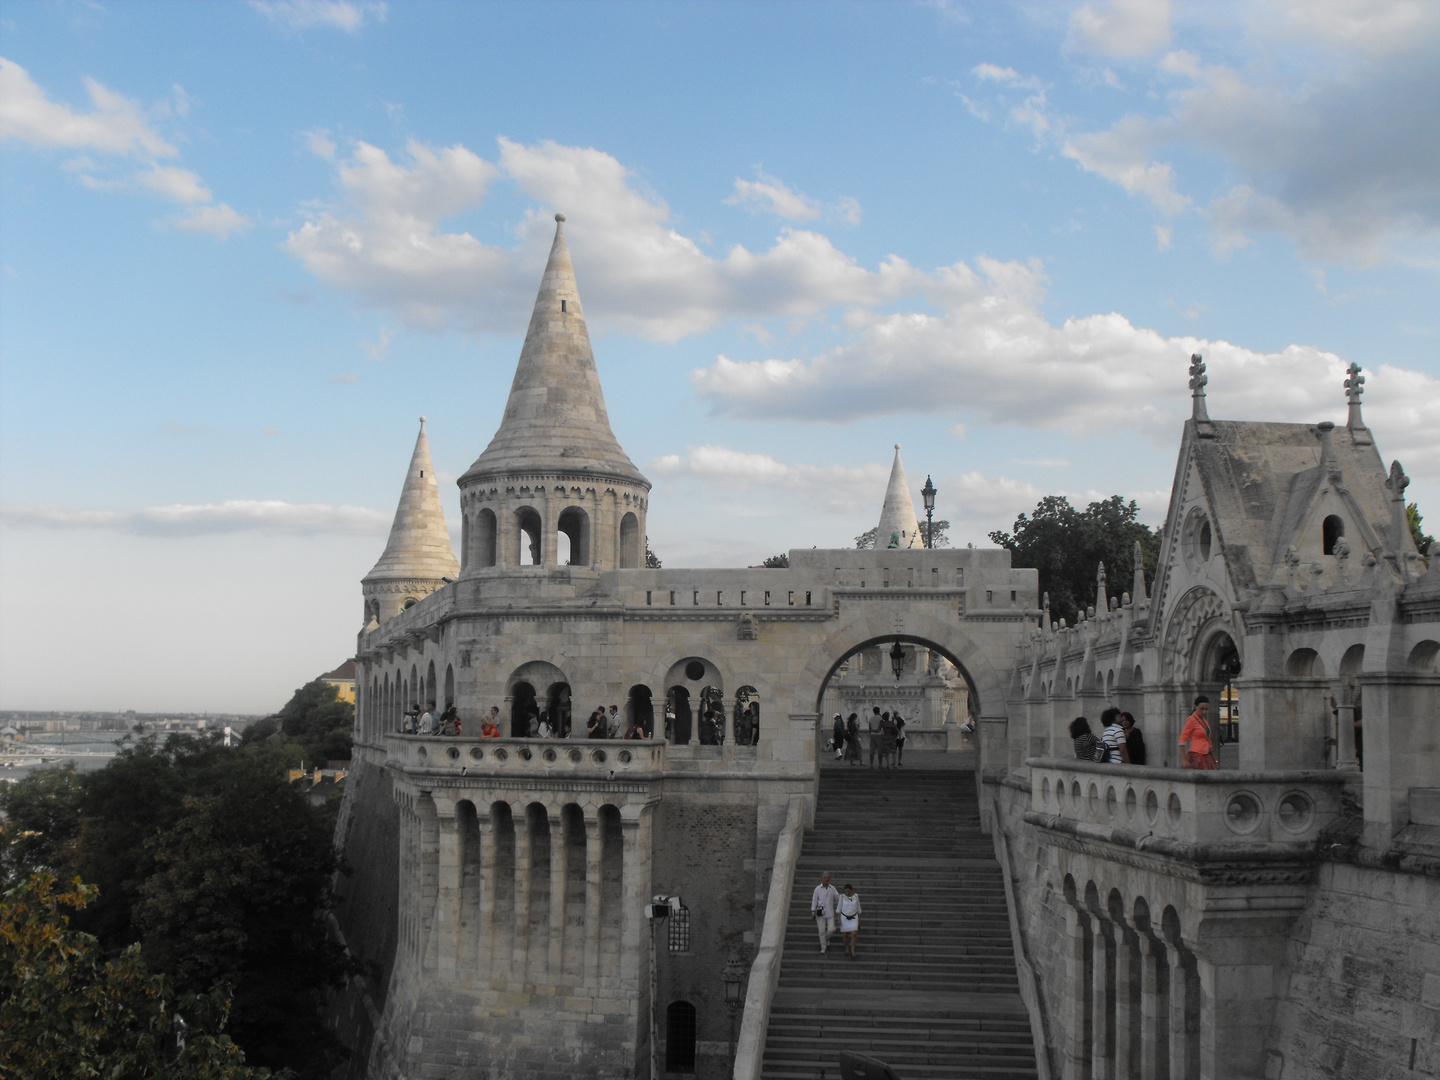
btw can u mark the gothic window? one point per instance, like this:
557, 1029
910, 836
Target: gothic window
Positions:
680, 929
1331, 530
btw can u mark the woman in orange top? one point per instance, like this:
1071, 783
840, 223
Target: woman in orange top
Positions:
1195, 737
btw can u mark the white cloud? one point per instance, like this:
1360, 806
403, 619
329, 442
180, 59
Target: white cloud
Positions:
386, 242
320, 144
1126, 28
1030, 111
304, 14
218, 221
181, 185
992, 353
836, 488
116, 126
770, 195
1122, 154
233, 515
1375, 28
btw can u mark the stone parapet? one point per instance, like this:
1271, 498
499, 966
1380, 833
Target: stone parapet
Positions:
562, 758
1187, 806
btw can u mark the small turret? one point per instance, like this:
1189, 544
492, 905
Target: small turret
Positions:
418, 556
898, 526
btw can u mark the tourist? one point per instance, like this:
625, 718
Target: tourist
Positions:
823, 902
899, 739
707, 729
1196, 738
754, 711
888, 735
742, 726
635, 731
408, 723
490, 727
427, 720
1112, 734
447, 722
1087, 747
614, 722
532, 726
1134, 739
545, 731
852, 739
873, 729
595, 726
837, 737
850, 919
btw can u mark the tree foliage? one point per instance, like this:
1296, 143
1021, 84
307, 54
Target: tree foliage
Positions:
211, 861
942, 535
314, 726
1422, 539
778, 562
1067, 545
652, 561
67, 1012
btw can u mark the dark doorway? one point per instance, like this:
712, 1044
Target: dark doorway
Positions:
522, 704
680, 1037
557, 704
642, 709
680, 705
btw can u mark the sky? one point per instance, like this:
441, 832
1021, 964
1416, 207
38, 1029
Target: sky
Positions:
245, 246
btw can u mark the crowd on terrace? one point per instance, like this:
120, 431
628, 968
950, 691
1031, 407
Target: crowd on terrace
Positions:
601, 724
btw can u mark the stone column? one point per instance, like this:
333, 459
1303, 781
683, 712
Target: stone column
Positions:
557, 890
635, 890
593, 885
1179, 997
1345, 737
1151, 1016
1077, 929
1125, 960
486, 930
1100, 952
447, 905
523, 848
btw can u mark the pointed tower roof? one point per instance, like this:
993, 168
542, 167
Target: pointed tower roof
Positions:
898, 514
419, 545
555, 419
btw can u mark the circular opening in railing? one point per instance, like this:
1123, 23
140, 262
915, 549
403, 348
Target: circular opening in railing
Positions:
1075, 793
1045, 790
598, 756
1060, 794
1094, 799
1296, 811
624, 757
1112, 801
453, 753
1242, 812
1130, 803
476, 754
549, 755
1152, 806
420, 753
501, 755
574, 755
525, 753
1173, 805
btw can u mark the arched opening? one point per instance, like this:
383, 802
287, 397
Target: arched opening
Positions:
502, 830
612, 892
574, 528
631, 557
537, 824
572, 825
528, 525
677, 714
1304, 664
522, 707
680, 1037
557, 708
1422, 658
1331, 530
932, 686
464, 540
1219, 669
416, 690
684, 683
640, 708
483, 538
449, 685
431, 699
747, 716
467, 835
712, 716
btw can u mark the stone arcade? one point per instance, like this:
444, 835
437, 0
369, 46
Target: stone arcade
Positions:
1170, 924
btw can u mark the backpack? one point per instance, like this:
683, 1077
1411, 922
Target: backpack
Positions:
1101, 753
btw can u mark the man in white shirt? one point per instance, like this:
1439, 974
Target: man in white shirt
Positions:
614, 721
822, 907
427, 723
1114, 737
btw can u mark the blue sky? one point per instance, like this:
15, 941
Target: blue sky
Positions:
243, 247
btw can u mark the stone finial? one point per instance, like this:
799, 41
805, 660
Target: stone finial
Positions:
1324, 431
1100, 603
560, 219
1198, 381
1045, 607
1399, 520
1137, 587
1397, 482
1354, 387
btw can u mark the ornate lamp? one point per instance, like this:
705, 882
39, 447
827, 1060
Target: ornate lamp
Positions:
897, 659
928, 494
734, 979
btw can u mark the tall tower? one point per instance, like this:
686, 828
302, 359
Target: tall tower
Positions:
897, 517
554, 487
418, 554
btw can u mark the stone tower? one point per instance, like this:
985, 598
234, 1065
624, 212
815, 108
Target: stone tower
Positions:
418, 556
897, 517
554, 468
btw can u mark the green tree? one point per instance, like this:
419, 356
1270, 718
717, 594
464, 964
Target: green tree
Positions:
867, 538
67, 1012
652, 561
209, 857
1067, 545
319, 722
1422, 539
778, 562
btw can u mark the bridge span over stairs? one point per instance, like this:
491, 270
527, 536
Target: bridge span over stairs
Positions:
934, 991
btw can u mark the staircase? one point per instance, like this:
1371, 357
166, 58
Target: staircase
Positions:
934, 991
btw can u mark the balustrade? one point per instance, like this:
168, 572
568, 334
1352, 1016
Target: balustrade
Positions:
562, 758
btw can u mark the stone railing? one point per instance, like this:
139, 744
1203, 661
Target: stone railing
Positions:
1187, 806
566, 758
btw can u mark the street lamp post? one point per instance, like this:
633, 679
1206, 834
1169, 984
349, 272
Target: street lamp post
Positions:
734, 978
928, 494
897, 659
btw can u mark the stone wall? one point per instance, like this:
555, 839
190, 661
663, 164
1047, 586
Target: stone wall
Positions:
1362, 996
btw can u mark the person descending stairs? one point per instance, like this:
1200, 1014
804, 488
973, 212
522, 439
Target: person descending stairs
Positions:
933, 990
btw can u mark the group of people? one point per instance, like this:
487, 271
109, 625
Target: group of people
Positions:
1121, 742
827, 905
886, 733
712, 728
427, 721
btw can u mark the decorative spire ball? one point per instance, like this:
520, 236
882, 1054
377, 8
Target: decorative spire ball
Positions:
560, 218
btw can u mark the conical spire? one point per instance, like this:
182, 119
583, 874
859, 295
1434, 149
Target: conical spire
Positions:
419, 545
555, 419
897, 517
